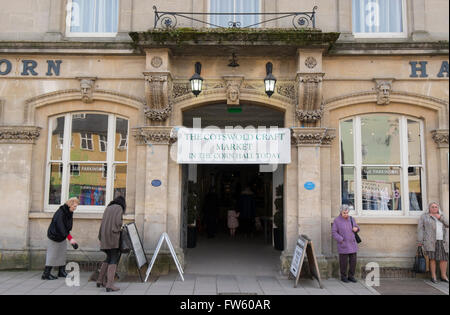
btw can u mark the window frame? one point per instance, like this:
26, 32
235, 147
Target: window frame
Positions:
66, 162
403, 34
404, 165
234, 17
69, 33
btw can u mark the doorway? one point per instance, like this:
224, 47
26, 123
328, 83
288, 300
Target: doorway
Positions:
215, 251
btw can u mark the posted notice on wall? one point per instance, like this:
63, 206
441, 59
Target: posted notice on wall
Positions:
234, 146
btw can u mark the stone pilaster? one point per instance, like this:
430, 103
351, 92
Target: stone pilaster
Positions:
309, 109
441, 138
156, 193
158, 86
16, 150
309, 143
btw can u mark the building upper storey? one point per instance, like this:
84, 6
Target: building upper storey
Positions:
112, 20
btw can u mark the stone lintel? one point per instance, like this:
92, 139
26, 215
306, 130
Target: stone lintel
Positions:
154, 135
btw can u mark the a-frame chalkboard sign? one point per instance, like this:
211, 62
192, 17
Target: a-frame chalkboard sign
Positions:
304, 246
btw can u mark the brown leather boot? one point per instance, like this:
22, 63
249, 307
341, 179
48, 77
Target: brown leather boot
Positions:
111, 272
101, 280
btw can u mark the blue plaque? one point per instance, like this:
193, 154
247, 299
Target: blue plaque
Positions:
309, 185
156, 183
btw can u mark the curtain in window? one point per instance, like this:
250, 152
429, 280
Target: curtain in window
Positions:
377, 16
94, 16
234, 6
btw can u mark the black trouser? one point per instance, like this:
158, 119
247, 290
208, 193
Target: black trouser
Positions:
344, 259
112, 256
247, 225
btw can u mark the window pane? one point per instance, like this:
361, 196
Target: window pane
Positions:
54, 196
415, 188
57, 138
234, 6
380, 143
377, 16
86, 132
414, 146
381, 188
120, 180
94, 16
348, 185
347, 142
89, 186
121, 140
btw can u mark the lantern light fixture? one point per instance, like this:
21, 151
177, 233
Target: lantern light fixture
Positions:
269, 80
196, 80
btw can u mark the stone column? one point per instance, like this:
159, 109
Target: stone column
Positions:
156, 189
441, 138
16, 150
309, 142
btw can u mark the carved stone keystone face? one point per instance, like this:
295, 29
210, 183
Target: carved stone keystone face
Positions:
87, 89
383, 88
233, 89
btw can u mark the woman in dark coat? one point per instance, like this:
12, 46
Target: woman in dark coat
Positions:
57, 233
247, 211
109, 236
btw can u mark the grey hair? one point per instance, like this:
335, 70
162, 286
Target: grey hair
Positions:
434, 203
72, 200
344, 207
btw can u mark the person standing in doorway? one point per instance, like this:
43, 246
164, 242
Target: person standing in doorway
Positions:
247, 211
109, 237
343, 231
57, 233
432, 235
233, 222
210, 212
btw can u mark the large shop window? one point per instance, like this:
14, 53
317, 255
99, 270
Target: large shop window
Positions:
379, 18
234, 6
92, 17
87, 159
382, 166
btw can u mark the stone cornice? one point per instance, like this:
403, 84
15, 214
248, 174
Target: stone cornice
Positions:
19, 134
154, 135
312, 136
386, 47
440, 137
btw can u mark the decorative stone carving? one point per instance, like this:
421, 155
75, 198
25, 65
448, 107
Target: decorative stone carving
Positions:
180, 89
233, 85
312, 136
155, 135
383, 88
287, 90
310, 104
440, 137
157, 86
19, 134
156, 62
310, 62
87, 86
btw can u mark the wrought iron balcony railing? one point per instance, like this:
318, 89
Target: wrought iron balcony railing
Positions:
169, 20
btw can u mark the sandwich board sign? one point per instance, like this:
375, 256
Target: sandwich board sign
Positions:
304, 247
138, 249
165, 237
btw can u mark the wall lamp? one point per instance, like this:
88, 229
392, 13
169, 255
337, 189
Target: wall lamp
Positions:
196, 80
269, 80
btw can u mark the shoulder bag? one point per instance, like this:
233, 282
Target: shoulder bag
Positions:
357, 238
420, 264
125, 241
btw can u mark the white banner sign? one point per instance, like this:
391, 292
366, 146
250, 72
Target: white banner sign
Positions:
234, 146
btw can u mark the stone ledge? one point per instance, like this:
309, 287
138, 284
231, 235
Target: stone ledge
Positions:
387, 220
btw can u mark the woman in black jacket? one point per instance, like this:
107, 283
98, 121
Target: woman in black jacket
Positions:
57, 233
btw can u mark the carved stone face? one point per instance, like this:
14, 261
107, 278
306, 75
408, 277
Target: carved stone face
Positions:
86, 90
233, 94
384, 92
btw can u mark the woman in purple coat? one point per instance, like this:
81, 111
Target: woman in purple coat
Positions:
343, 231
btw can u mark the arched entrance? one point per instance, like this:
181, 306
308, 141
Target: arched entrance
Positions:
210, 191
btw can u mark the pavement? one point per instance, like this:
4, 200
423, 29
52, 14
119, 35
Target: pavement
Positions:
30, 283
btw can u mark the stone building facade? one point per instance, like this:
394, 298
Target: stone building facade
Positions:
337, 86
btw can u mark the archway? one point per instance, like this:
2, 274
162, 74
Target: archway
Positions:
217, 189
